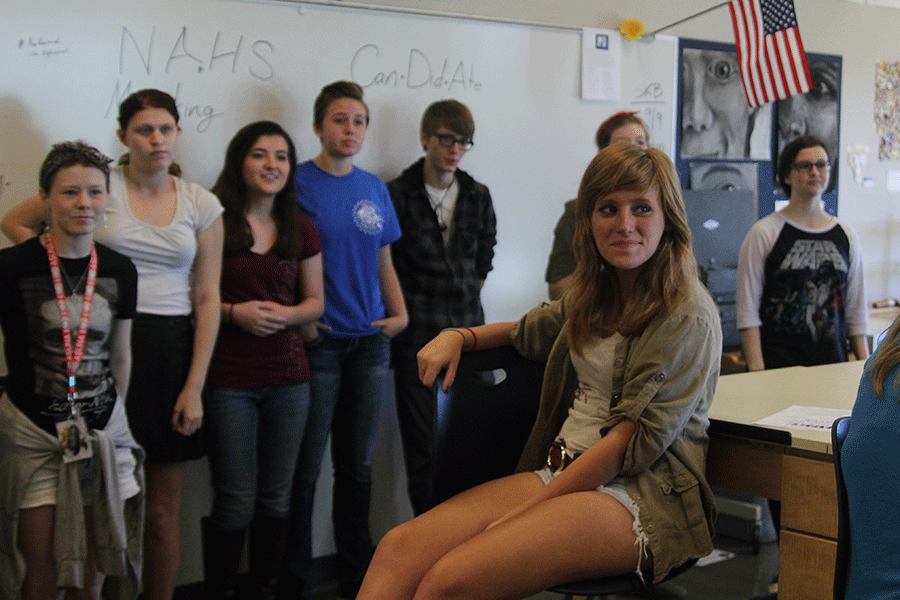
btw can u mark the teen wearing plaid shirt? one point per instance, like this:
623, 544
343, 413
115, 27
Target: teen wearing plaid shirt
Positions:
442, 261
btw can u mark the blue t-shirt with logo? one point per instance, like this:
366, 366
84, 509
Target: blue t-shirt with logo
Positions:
355, 218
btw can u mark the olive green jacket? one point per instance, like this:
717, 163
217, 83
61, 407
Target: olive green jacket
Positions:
664, 378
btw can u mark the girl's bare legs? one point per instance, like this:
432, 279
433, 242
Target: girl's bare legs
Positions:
572, 537
406, 554
162, 536
446, 553
36, 543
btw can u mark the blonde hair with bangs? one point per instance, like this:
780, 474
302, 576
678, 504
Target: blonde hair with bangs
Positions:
595, 303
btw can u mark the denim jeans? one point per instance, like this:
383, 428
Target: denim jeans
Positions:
349, 382
254, 440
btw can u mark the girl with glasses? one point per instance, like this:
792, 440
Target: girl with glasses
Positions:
801, 297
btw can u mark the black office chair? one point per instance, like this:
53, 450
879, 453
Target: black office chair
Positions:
839, 431
482, 424
483, 421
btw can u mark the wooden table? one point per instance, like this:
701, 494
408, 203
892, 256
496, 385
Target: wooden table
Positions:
794, 466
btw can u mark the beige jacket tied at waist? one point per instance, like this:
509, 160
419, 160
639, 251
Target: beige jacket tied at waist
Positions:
118, 523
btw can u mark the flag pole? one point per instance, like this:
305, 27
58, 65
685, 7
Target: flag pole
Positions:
702, 12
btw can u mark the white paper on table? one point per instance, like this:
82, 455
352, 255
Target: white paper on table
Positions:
601, 64
810, 418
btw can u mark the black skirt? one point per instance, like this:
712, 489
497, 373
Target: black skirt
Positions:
161, 351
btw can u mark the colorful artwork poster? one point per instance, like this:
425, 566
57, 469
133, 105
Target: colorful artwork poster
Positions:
887, 109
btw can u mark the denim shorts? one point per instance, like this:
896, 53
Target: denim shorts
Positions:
616, 489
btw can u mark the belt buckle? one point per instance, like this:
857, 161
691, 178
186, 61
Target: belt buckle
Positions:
557, 458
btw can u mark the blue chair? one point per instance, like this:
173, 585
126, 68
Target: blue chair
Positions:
839, 431
482, 424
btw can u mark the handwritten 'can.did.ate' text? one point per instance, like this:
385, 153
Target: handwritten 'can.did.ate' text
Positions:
368, 68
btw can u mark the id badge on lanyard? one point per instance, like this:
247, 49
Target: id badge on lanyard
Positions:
72, 432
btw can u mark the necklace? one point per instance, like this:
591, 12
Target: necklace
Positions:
81, 279
438, 206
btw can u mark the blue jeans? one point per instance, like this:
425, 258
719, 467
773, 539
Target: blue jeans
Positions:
254, 440
348, 388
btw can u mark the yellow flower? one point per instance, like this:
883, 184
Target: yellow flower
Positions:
632, 29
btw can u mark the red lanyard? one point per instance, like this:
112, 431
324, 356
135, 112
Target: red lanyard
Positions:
73, 357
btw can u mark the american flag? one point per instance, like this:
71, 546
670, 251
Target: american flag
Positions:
770, 52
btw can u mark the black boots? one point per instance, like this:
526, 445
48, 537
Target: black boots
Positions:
268, 538
221, 559
222, 552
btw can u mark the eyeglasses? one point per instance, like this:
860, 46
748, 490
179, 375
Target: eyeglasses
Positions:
446, 140
806, 166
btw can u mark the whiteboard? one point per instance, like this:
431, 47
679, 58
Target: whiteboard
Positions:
65, 68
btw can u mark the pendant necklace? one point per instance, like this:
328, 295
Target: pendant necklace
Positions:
439, 207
